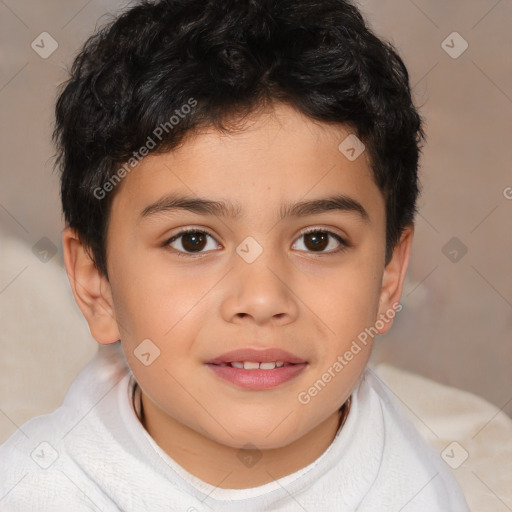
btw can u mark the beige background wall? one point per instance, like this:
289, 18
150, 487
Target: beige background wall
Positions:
456, 325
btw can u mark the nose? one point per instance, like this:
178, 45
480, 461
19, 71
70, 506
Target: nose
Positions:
260, 292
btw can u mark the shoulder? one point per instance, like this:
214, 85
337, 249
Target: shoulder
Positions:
37, 470
36, 474
410, 466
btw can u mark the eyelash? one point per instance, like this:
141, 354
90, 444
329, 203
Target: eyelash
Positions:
343, 244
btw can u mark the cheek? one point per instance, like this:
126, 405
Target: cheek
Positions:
142, 297
155, 302
349, 300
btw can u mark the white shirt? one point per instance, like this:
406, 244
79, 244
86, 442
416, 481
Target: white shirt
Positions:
93, 454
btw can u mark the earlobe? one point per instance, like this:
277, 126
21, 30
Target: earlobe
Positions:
393, 278
91, 289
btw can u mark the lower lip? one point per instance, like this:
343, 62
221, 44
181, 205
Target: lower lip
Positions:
257, 379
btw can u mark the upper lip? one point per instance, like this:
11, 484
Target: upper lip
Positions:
262, 356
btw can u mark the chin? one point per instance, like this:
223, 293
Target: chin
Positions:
269, 436
258, 441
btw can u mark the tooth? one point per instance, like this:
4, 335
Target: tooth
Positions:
237, 364
268, 366
250, 365
279, 364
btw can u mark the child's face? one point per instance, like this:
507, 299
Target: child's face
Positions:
301, 294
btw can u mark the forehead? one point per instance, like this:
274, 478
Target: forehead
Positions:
281, 156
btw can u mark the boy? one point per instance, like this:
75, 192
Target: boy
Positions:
239, 181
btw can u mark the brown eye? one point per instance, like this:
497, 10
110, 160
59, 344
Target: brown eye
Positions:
193, 241
190, 242
318, 241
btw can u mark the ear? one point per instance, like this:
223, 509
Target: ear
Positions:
91, 289
393, 281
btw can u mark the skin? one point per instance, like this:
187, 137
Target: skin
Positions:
311, 302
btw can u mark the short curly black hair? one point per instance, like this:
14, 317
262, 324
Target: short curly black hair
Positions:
230, 57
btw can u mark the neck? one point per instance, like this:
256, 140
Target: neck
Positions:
234, 468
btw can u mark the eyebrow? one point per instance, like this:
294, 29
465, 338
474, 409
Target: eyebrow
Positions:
201, 206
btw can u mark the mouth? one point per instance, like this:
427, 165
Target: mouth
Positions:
257, 369
255, 365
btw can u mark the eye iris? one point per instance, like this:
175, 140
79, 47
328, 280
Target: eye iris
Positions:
193, 241
319, 239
